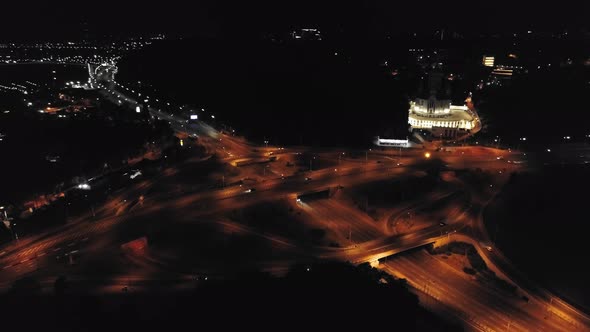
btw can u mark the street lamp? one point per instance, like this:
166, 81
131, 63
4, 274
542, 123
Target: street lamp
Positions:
521, 139
497, 140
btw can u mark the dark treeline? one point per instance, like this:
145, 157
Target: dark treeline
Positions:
321, 296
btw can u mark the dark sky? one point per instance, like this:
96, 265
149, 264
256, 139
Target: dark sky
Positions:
52, 18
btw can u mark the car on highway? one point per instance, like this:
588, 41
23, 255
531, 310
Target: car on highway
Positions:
135, 174
442, 223
250, 190
307, 179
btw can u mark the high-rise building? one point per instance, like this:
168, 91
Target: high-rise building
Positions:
488, 61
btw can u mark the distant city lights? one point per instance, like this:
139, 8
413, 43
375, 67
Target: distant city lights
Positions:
84, 186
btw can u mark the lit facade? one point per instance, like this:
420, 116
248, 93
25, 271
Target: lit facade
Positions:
488, 61
441, 117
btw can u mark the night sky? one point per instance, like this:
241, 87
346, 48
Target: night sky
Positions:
222, 17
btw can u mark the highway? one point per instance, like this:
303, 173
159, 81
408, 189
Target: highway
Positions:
369, 242
360, 238
486, 306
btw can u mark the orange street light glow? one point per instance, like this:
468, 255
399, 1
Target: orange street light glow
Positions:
427, 155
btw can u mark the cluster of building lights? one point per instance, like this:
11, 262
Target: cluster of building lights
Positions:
70, 52
15, 88
125, 45
488, 61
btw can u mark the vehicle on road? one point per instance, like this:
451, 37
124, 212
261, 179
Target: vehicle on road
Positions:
486, 246
135, 174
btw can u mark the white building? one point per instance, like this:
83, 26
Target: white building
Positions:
438, 115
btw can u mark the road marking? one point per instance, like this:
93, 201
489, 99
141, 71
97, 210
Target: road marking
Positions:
2, 253
85, 239
56, 249
24, 260
41, 254
7, 266
71, 244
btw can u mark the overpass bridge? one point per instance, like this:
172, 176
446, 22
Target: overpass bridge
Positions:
373, 251
575, 317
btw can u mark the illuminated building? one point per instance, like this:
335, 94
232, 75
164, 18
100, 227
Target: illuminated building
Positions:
502, 71
306, 34
436, 113
488, 61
